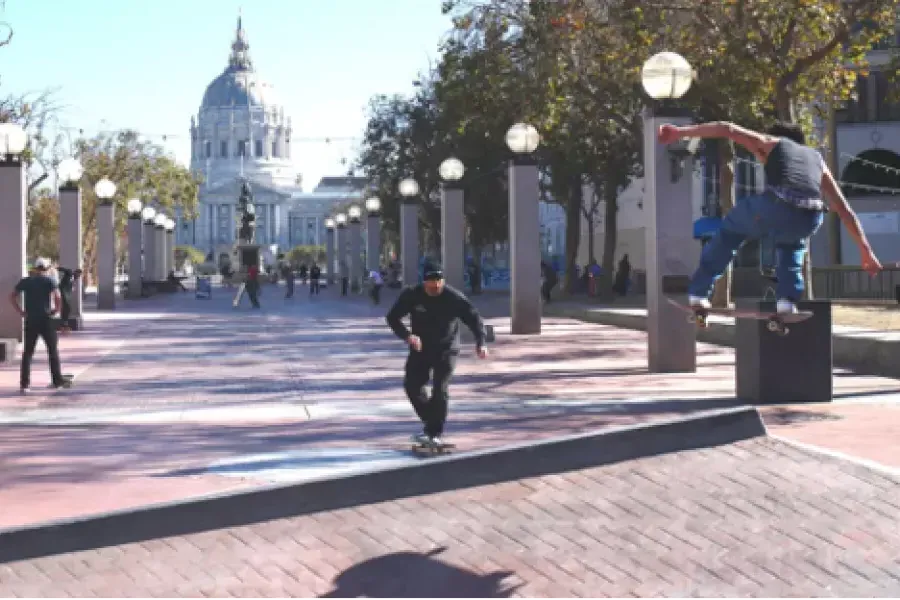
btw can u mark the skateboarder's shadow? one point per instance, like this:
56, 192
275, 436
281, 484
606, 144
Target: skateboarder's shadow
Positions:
412, 575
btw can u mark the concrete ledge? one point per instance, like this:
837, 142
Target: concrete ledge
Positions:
865, 353
429, 476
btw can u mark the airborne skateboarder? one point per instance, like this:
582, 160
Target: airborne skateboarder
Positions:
799, 189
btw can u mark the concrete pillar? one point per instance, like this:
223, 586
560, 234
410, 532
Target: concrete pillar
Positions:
373, 242
453, 235
329, 256
341, 252
149, 251
525, 247
106, 256
70, 250
409, 242
671, 251
12, 255
170, 251
355, 255
135, 268
159, 261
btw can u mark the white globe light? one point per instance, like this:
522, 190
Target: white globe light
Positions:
354, 212
409, 188
169, 225
13, 139
523, 138
70, 171
340, 219
666, 75
452, 169
148, 213
134, 207
105, 189
159, 220
329, 223
373, 204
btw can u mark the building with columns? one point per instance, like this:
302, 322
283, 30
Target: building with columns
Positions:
242, 130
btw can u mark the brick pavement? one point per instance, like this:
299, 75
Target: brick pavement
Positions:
308, 374
759, 518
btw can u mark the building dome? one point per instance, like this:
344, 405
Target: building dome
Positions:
239, 84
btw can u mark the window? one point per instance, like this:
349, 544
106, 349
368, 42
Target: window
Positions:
242, 148
259, 148
223, 150
208, 149
274, 149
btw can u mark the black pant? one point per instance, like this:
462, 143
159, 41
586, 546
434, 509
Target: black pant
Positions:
376, 294
345, 282
419, 369
252, 289
546, 288
313, 286
65, 311
290, 287
46, 330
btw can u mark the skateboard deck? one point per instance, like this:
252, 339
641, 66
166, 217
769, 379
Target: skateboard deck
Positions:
776, 323
431, 449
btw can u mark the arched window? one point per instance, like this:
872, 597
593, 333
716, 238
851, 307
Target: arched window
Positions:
876, 168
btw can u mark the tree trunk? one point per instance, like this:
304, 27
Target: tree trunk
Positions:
610, 239
574, 201
721, 297
592, 252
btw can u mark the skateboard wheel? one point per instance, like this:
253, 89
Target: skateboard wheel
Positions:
784, 332
773, 326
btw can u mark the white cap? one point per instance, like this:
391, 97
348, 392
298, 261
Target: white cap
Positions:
42, 263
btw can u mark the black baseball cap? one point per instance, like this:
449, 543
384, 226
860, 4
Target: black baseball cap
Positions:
433, 271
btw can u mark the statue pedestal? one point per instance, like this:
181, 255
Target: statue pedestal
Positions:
247, 255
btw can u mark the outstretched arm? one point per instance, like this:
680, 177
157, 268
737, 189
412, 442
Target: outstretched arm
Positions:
470, 316
839, 204
760, 144
402, 307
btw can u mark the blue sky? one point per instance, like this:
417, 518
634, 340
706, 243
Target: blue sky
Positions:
145, 64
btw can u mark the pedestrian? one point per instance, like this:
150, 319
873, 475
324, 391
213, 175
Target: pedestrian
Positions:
67, 280
377, 282
550, 279
315, 274
435, 310
252, 285
287, 271
799, 189
41, 301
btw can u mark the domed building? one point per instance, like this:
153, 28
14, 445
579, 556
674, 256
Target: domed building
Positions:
242, 131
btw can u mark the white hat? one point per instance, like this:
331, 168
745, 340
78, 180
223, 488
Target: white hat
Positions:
42, 263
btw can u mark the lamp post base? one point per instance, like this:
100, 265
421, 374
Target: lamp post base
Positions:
8, 350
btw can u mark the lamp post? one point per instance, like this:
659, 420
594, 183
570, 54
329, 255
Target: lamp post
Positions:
341, 220
453, 222
329, 250
354, 214
373, 234
135, 235
524, 230
159, 259
13, 190
70, 251
170, 245
409, 231
148, 215
670, 248
106, 245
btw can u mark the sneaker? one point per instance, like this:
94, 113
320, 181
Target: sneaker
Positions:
785, 307
64, 384
23, 391
437, 441
698, 302
421, 439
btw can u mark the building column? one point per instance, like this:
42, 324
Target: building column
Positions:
453, 235
525, 248
409, 242
70, 250
106, 256
355, 254
135, 267
12, 256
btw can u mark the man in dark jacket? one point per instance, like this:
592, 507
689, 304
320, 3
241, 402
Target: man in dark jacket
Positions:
67, 281
435, 310
315, 273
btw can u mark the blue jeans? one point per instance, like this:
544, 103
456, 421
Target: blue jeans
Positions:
758, 217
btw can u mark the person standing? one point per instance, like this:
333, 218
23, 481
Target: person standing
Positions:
41, 301
377, 283
315, 273
287, 271
67, 280
435, 310
252, 285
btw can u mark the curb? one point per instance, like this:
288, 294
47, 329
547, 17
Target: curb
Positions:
459, 471
864, 355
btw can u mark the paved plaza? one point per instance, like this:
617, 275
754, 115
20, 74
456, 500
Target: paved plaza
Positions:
178, 397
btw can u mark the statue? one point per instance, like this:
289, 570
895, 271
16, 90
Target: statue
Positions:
248, 214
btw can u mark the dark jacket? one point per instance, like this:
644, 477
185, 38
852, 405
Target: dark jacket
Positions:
435, 319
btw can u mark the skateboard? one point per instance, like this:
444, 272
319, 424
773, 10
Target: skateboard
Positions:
429, 449
776, 323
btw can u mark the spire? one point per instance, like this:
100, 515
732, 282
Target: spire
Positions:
240, 49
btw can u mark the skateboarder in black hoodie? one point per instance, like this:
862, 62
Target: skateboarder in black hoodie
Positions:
435, 310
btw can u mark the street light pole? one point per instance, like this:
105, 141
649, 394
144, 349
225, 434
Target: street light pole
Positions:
135, 235
524, 231
106, 245
373, 234
671, 250
13, 189
329, 251
409, 231
149, 235
355, 215
453, 223
70, 250
341, 220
